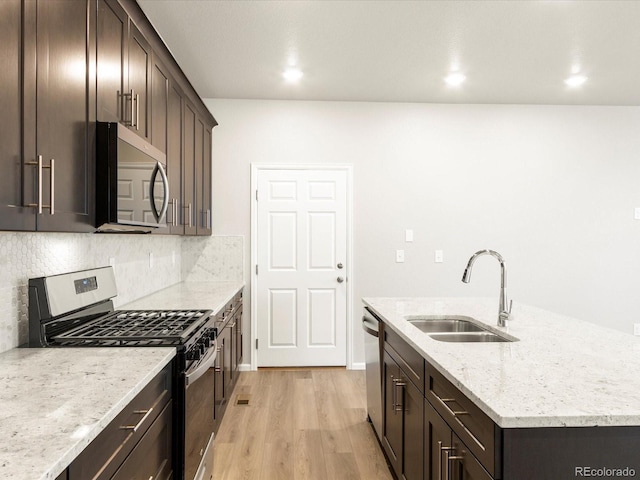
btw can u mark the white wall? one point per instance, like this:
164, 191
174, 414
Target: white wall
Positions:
552, 188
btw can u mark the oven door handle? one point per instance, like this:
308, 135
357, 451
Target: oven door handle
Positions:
205, 364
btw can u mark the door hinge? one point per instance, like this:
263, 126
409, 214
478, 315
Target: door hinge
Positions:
256, 268
256, 195
256, 343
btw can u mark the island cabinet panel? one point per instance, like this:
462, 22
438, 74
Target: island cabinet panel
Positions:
403, 413
571, 452
472, 425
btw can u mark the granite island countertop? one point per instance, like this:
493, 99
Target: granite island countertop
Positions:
55, 401
189, 295
561, 372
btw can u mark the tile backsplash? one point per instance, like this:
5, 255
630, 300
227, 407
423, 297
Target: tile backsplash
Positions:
29, 255
212, 258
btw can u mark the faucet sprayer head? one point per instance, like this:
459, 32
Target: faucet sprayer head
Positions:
466, 276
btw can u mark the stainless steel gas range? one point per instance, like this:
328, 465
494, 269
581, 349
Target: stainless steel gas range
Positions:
76, 310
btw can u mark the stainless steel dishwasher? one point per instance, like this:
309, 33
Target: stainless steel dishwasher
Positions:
371, 327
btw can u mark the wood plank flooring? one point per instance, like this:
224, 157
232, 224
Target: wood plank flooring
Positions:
299, 424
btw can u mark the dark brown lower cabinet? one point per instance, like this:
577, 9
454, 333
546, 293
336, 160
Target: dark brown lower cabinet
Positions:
446, 457
137, 443
151, 458
402, 421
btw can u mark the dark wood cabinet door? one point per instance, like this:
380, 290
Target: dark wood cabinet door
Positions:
18, 179
200, 177
64, 112
112, 65
152, 456
238, 338
137, 98
204, 196
392, 419
437, 444
465, 466
189, 205
228, 359
413, 428
159, 105
175, 159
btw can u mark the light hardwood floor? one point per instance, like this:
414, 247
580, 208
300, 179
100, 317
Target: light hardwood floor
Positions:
299, 424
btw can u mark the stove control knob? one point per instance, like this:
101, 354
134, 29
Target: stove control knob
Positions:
206, 341
194, 353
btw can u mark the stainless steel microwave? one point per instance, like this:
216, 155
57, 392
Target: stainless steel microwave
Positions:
131, 181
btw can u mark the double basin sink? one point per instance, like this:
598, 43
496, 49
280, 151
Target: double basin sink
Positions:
455, 328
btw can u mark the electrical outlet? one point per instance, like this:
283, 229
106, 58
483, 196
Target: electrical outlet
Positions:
399, 256
438, 256
636, 328
408, 235
150, 259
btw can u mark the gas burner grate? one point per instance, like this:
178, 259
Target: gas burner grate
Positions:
155, 326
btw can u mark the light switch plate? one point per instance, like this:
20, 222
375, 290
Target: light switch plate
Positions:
399, 256
636, 329
112, 262
408, 235
636, 213
438, 256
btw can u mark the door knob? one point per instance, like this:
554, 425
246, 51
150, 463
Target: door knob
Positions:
340, 279
339, 266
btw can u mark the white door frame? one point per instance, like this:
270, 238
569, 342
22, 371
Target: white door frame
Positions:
255, 169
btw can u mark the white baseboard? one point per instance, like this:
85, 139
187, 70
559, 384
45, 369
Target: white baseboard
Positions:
244, 367
358, 366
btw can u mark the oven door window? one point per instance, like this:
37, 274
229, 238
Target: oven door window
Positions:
143, 190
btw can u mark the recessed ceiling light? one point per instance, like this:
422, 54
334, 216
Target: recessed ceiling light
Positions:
292, 74
455, 79
575, 81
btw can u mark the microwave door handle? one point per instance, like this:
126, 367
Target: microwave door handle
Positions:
152, 201
165, 182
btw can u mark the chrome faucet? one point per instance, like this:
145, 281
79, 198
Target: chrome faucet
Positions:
503, 313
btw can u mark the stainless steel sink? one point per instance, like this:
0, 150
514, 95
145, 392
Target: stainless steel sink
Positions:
446, 324
455, 328
475, 337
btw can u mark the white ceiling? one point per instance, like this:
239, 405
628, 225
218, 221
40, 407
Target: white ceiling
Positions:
399, 51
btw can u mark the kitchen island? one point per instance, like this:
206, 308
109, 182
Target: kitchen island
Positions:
564, 397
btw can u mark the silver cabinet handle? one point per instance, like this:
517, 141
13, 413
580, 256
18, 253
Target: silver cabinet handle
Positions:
132, 122
52, 186
398, 407
340, 279
445, 451
137, 425
39, 205
174, 211
137, 110
190, 215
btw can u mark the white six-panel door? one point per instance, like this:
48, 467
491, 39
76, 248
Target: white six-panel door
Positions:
301, 281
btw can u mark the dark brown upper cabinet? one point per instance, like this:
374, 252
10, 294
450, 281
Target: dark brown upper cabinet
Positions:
17, 177
124, 70
48, 185
175, 159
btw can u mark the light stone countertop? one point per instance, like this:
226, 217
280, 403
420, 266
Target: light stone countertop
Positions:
561, 372
55, 401
189, 295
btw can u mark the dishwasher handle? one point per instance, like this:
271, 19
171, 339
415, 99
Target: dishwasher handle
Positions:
370, 326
